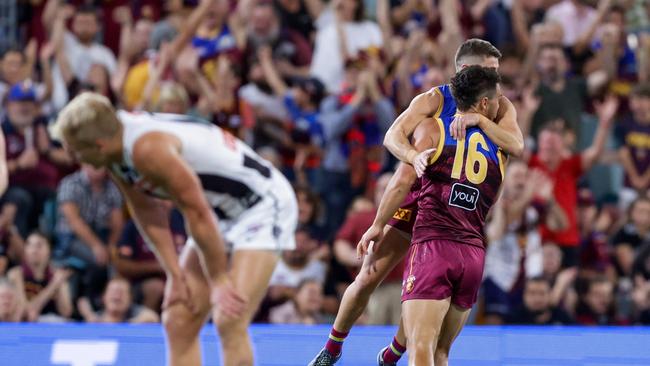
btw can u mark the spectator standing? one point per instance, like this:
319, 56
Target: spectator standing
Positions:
353, 122
302, 102
289, 49
561, 97
80, 46
565, 171
341, 38
575, 16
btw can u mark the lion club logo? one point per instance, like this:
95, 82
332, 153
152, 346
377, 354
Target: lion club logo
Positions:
409, 283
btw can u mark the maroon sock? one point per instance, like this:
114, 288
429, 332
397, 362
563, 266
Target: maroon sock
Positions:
394, 352
335, 342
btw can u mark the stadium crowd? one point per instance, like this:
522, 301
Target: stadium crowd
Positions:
313, 85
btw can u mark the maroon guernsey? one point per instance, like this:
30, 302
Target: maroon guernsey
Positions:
459, 186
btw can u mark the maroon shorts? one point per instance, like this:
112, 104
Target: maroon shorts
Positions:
438, 269
404, 218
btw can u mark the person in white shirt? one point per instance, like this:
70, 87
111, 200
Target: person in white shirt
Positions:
80, 46
207, 173
575, 16
341, 35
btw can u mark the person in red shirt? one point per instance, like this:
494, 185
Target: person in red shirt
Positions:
565, 169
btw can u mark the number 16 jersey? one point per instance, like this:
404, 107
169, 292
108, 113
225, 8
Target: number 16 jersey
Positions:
459, 186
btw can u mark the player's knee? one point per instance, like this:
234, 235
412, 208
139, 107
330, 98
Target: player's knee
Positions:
421, 346
178, 321
230, 328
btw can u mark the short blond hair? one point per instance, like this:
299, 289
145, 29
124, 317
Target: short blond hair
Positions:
173, 92
87, 117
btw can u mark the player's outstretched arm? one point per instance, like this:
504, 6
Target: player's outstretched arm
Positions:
505, 132
156, 156
397, 136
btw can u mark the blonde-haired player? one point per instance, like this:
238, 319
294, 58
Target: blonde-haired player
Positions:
208, 174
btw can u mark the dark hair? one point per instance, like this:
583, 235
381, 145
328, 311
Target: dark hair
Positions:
267, 4
87, 10
472, 83
616, 8
307, 281
553, 126
313, 199
538, 279
475, 48
598, 279
41, 234
13, 49
641, 90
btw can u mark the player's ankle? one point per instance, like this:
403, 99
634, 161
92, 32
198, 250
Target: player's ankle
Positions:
335, 341
394, 351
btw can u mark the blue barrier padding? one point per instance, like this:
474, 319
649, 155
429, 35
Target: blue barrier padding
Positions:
287, 345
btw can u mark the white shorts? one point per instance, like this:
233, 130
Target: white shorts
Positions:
268, 225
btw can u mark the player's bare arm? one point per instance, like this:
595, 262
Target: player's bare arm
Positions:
425, 138
505, 132
153, 224
156, 156
397, 136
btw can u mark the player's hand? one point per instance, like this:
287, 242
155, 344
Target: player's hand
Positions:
224, 296
178, 291
461, 123
369, 240
421, 161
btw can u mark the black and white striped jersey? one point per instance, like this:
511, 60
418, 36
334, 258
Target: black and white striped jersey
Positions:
233, 176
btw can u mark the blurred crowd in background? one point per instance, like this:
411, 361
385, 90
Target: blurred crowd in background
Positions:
313, 85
